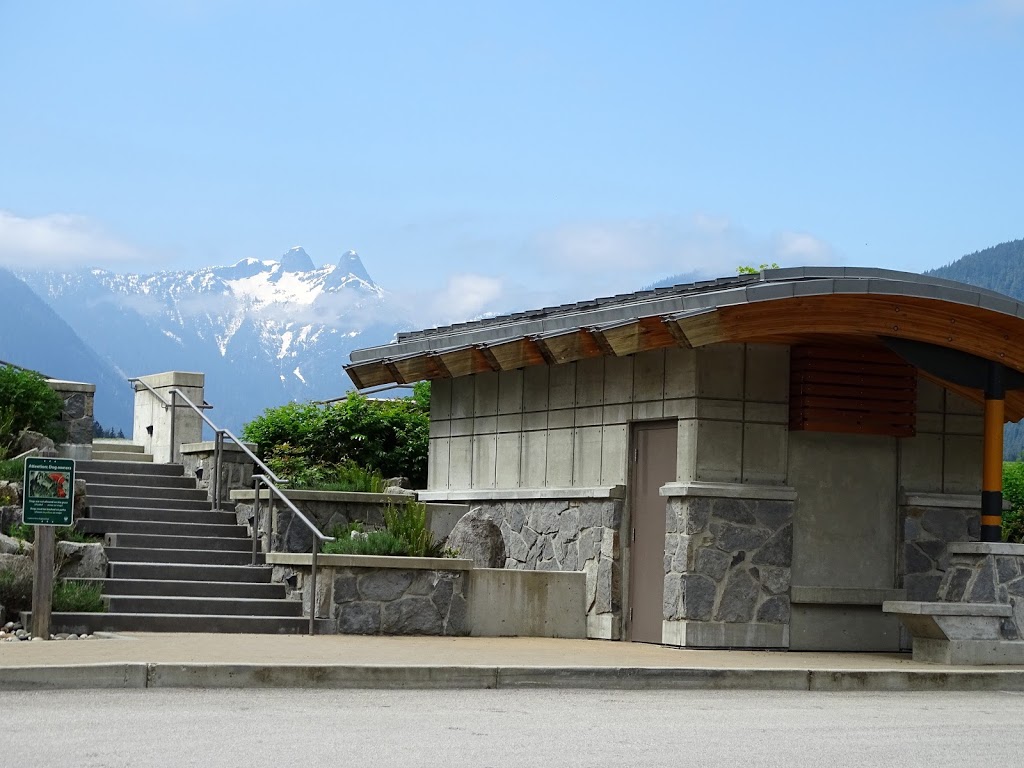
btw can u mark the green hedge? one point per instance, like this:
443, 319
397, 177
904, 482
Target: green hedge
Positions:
26, 402
390, 437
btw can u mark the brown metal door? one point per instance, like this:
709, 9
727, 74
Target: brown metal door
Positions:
654, 454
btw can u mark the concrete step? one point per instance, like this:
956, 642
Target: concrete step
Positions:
169, 588
206, 606
149, 541
197, 556
80, 623
136, 491
162, 515
118, 444
147, 503
150, 481
129, 467
121, 456
191, 572
104, 526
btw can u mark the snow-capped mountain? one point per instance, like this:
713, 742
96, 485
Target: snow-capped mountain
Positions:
263, 332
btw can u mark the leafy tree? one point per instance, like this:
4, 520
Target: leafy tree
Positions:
1013, 492
746, 269
26, 402
389, 436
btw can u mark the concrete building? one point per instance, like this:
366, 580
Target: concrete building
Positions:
752, 462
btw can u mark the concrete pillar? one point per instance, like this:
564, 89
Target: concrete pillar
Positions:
152, 428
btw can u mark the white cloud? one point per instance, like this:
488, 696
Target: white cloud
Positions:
465, 296
634, 252
58, 240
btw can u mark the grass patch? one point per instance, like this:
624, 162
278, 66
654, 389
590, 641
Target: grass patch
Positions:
12, 470
16, 587
63, 533
405, 534
77, 597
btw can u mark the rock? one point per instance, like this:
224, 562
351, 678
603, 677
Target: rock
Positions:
738, 600
712, 563
411, 616
698, 597
359, 619
37, 639
10, 515
774, 610
81, 499
398, 482
384, 585
29, 440
12, 546
81, 561
9, 626
21, 634
72, 637
778, 550
10, 493
477, 537
397, 490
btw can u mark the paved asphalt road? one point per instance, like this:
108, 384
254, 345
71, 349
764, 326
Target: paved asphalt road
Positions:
509, 728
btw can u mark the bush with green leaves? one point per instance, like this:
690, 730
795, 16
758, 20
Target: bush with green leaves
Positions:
26, 402
60, 533
388, 436
291, 463
16, 585
405, 533
1013, 492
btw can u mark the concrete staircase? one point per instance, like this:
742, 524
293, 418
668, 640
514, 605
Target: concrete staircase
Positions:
174, 565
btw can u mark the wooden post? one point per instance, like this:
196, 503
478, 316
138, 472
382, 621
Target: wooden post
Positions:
42, 584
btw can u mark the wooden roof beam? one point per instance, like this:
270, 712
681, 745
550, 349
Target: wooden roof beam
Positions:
641, 335
369, 375
517, 353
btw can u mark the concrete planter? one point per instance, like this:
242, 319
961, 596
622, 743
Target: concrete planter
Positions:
368, 595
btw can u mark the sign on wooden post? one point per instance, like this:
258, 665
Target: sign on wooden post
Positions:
48, 501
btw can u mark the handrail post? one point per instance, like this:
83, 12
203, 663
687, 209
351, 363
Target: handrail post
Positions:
218, 447
312, 588
174, 410
255, 516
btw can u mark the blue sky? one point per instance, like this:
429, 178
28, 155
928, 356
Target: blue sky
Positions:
487, 156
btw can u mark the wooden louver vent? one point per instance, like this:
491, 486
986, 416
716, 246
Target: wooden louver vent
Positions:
859, 390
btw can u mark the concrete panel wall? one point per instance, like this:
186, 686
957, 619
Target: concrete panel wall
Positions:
510, 603
567, 425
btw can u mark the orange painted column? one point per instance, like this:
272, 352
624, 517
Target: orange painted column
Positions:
992, 465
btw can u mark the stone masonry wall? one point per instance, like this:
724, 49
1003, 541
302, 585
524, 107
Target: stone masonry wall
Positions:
236, 468
385, 601
76, 416
994, 577
728, 560
569, 535
926, 530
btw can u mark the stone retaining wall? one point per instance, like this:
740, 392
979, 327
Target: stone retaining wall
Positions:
236, 468
568, 535
382, 598
281, 532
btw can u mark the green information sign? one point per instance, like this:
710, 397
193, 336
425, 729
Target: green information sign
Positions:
49, 491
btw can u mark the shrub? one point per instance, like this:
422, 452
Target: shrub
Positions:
28, 403
291, 463
16, 586
405, 533
1013, 492
77, 597
388, 437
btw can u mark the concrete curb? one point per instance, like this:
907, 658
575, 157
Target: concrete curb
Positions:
338, 676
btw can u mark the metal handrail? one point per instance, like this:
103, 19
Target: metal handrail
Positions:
218, 445
157, 395
273, 490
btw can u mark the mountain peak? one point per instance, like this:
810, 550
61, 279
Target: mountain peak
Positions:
351, 264
296, 260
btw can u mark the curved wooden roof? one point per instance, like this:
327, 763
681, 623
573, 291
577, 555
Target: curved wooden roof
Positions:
785, 306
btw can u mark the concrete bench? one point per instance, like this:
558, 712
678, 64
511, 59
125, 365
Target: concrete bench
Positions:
958, 633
